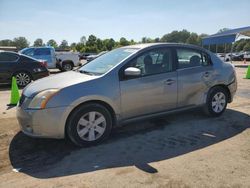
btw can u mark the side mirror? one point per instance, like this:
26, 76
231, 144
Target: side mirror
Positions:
132, 71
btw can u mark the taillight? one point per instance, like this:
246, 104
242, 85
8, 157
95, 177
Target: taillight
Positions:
44, 63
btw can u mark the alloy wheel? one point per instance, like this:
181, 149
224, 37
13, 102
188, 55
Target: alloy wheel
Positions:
22, 79
218, 102
91, 126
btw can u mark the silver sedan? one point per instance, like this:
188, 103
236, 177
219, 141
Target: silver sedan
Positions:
126, 84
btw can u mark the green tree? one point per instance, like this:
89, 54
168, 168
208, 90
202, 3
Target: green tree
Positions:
247, 47
144, 40
91, 41
80, 47
73, 46
109, 44
52, 43
123, 41
176, 36
91, 49
200, 38
6, 42
192, 39
64, 44
99, 45
157, 39
240, 45
83, 40
38, 42
21, 42
132, 42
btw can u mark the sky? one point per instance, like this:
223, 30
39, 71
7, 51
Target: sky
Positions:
132, 19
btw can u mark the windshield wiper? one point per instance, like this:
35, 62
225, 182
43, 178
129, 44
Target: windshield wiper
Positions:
87, 72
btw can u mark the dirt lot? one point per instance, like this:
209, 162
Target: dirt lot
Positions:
182, 150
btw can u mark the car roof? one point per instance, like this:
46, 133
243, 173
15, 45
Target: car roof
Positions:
11, 52
18, 54
37, 47
146, 45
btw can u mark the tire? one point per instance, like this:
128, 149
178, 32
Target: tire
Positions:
22, 78
83, 131
216, 103
67, 66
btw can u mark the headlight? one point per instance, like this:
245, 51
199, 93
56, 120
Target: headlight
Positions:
42, 98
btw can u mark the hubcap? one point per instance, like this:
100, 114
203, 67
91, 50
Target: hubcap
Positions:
22, 79
67, 67
218, 102
91, 126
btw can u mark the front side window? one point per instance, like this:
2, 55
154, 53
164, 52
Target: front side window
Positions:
8, 57
154, 62
107, 61
191, 58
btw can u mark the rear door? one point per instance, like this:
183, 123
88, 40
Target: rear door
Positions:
8, 63
195, 73
155, 90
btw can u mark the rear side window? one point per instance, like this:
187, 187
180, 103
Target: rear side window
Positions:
42, 51
8, 57
191, 58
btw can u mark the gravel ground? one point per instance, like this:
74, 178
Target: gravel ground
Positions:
191, 151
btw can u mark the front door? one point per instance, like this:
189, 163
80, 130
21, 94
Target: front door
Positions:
155, 90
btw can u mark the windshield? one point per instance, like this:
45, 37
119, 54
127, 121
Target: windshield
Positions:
107, 61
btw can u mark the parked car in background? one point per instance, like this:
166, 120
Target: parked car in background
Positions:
24, 68
91, 57
63, 60
124, 85
67, 60
42, 53
83, 56
237, 57
246, 55
224, 56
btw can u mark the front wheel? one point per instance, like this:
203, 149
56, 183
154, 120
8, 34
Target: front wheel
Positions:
216, 101
89, 124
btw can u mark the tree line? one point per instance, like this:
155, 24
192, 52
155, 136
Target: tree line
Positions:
94, 44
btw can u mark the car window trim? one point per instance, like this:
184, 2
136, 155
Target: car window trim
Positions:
121, 70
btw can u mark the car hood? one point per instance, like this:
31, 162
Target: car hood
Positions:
57, 81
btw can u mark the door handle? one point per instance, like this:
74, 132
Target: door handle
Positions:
169, 81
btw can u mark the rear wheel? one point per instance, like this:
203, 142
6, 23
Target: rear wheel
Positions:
22, 78
89, 124
216, 101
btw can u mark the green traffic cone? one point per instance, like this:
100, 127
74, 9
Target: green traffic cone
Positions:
248, 72
14, 92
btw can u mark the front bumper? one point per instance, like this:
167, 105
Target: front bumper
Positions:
45, 123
